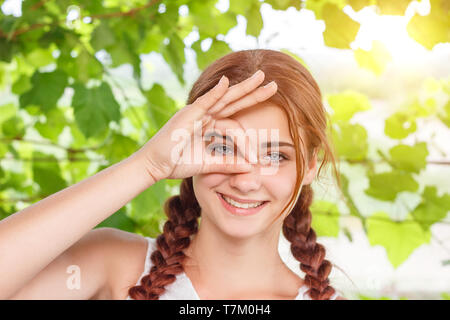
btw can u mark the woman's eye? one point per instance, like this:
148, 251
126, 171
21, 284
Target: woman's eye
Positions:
221, 148
277, 158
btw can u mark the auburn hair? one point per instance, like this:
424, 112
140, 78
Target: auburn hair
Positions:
300, 97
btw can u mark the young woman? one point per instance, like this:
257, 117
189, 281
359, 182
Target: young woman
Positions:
233, 252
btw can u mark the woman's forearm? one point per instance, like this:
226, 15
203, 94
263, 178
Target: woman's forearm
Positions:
31, 238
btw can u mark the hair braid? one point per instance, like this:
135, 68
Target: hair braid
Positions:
182, 211
297, 229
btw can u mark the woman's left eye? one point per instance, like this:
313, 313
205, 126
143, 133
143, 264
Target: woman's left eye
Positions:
221, 148
279, 156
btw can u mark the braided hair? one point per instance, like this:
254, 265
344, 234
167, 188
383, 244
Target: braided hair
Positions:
297, 229
182, 212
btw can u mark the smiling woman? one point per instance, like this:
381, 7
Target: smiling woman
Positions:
233, 253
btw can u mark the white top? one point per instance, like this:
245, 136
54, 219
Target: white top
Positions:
182, 288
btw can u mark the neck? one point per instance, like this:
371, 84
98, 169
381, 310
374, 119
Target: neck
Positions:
217, 260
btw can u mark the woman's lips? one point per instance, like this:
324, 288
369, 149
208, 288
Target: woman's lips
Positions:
240, 211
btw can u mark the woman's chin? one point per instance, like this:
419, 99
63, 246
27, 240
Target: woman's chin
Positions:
240, 229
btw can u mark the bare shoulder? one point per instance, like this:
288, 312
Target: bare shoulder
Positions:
341, 298
125, 252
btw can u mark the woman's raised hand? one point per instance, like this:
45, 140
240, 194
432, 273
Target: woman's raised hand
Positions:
166, 157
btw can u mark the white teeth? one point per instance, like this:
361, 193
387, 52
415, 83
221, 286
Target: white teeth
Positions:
242, 205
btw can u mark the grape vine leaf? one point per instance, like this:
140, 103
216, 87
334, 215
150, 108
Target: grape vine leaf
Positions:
94, 108
374, 59
325, 218
386, 185
346, 104
409, 158
399, 238
340, 29
433, 28
350, 141
432, 208
47, 174
46, 89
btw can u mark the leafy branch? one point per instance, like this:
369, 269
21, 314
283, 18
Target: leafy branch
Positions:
130, 13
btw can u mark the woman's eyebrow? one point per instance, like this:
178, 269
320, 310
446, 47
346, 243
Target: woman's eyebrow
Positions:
216, 134
280, 144
263, 145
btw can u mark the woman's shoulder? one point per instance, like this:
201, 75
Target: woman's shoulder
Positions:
128, 253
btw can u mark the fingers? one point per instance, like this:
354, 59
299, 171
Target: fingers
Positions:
259, 95
210, 98
227, 168
238, 90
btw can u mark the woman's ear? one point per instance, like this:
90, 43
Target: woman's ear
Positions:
311, 172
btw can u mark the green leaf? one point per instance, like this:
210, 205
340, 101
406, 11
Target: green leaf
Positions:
251, 11
400, 239
284, 4
7, 111
7, 49
118, 220
13, 128
346, 104
399, 125
15, 181
359, 4
432, 208
152, 41
374, 59
82, 68
340, 29
325, 218
386, 185
409, 158
3, 151
254, 20
46, 90
350, 141
209, 20
39, 57
217, 50
118, 148
317, 6
162, 107
53, 126
433, 28
167, 21
94, 108
397, 7
149, 203
76, 170
47, 174
102, 37
23, 84
173, 53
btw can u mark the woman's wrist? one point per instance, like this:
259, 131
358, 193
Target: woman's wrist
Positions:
141, 160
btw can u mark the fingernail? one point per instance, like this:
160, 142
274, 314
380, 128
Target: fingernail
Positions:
256, 74
271, 83
222, 79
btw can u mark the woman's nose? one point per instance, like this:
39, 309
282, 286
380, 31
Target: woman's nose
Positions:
247, 181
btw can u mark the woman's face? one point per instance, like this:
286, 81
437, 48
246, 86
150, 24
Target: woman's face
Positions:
270, 182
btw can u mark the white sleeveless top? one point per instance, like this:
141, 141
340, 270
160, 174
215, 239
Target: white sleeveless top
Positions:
182, 288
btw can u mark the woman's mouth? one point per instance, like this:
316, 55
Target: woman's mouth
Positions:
240, 208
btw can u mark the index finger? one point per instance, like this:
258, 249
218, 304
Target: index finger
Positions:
238, 90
